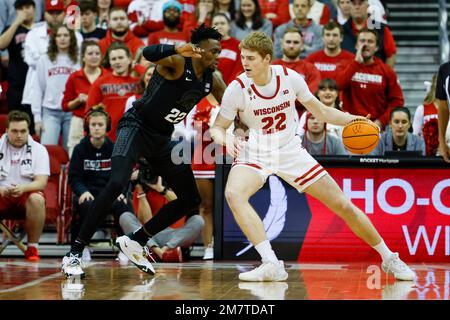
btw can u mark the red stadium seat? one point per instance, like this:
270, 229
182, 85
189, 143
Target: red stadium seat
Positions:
3, 121
57, 193
3, 100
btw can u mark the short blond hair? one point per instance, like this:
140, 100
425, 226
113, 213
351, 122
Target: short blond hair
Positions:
258, 41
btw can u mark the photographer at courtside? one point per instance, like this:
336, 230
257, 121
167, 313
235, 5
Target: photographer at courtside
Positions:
169, 244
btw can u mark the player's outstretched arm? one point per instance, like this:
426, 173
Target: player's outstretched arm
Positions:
329, 115
168, 55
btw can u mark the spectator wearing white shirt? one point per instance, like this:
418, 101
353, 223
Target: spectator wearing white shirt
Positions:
52, 72
376, 11
319, 12
25, 167
140, 11
37, 40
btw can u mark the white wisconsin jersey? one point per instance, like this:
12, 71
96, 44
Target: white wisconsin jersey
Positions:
268, 111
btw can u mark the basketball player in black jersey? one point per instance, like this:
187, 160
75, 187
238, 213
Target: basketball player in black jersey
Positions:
183, 76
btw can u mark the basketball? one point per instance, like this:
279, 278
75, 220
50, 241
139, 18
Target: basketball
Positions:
360, 136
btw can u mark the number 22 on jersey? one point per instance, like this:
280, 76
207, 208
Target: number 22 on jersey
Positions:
175, 116
274, 124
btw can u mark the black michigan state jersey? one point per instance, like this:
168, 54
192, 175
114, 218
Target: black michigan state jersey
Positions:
167, 102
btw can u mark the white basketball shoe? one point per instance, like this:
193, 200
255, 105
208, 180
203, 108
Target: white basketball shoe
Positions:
267, 271
398, 268
135, 253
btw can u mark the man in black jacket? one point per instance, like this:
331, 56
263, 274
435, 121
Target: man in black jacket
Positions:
90, 166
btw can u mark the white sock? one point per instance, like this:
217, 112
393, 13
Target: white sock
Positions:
383, 250
265, 251
36, 245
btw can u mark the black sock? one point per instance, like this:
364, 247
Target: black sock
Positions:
140, 236
77, 247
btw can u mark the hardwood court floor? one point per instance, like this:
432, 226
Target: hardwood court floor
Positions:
199, 280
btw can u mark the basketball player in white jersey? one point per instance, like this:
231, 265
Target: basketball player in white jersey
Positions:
264, 99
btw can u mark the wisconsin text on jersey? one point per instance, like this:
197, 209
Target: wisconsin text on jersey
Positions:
270, 110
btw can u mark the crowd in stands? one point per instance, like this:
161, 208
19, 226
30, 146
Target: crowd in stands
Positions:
71, 73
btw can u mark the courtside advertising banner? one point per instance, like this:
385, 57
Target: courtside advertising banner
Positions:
409, 207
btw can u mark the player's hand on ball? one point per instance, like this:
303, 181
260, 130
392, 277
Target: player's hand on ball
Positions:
376, 123
189, 50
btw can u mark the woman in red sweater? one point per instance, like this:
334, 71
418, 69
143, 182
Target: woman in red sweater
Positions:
77, 88
277, 11
230, 57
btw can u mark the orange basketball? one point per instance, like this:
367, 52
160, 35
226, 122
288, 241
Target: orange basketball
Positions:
360, 136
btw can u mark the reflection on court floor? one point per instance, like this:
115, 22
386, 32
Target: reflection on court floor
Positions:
198, 280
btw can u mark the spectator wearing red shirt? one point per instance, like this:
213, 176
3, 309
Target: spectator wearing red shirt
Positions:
425, 122
153, 21
204, 170
118, 31
77, 89
170, 34
369, 85
230, 65
319, 12
277, 11
292, 45
358, 21
113, 89
328, 59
